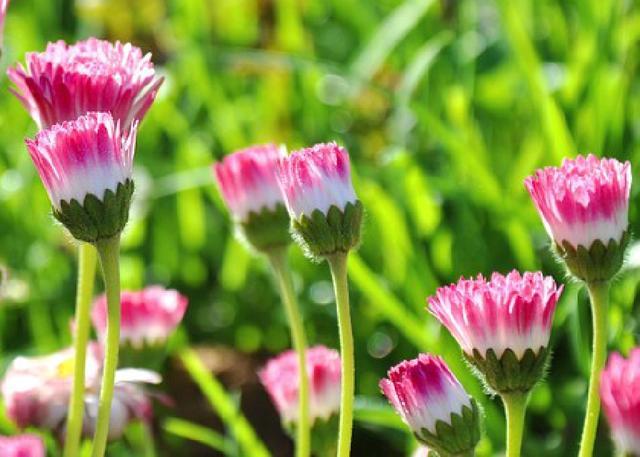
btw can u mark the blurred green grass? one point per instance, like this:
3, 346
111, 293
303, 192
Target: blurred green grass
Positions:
445, 106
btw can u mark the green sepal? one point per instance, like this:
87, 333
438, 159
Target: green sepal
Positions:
457, 438
508, 374
323, 435
599, 262
267, 229
322, 235
97, 219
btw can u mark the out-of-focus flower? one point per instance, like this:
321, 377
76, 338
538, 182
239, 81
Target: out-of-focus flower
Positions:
4, 4
149, 316
67, 81
316, 184
21, 446
248, 184
584, 206
280, 379
86, 166
425, 392
620, 393
36, 392
505, 319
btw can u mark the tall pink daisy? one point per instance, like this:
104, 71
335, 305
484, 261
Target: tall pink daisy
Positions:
429, 399
620, 393
86, 167
506, 316
67, 81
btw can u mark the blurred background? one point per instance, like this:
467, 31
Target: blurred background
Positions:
445, 106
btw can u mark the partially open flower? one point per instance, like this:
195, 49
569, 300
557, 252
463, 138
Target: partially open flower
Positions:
280, 379
502, 325
326, 214
620, 393
36, 392
248, 184
22, 446
86, 166
149, 316
584, 206
67, 81
4, 4
434, 405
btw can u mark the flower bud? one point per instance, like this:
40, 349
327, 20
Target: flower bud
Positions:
584, 206
248, 184
85, 166
502, 325
620, 394
326, 214
434, 405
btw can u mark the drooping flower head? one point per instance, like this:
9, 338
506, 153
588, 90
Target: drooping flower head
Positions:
89, 156
67, 81
319, 195
248, 184
424, 392
280, 379
585, 201
22, 446
620, 394
149, 316
36, 391
506, 316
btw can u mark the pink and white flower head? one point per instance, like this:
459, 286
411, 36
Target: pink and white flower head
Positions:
22, 446
424, 392
584, 200
326, 214
87, 156
130, 402
280, 379
316, 178
149, 316
504, 322
36, 390
67, 81
620, 394
247, 180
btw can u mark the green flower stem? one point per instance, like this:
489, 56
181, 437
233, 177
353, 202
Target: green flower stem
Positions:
278, 259
515, 406
109, 253
599, 295
87, 259
338, 265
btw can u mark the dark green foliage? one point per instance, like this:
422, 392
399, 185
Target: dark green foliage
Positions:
97, 219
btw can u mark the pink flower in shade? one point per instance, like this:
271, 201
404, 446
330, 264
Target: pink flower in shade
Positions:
584, 200
247, 180
22, 446
509, 312
67, 81
148, 316
280, 379
89, 155
620, 394
316, 178
36, 392
424, 391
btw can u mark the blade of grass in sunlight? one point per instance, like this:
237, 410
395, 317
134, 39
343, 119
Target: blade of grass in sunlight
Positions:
224, 405
198, 433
